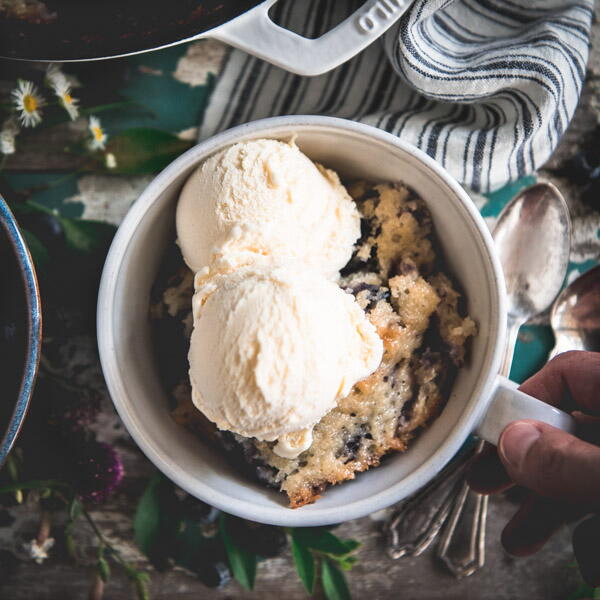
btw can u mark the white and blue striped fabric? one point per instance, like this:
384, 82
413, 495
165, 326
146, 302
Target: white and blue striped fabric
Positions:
486, 87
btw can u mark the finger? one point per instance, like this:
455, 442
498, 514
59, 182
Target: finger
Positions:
585, 546
574, 373
551, 462
487, 474
532, 526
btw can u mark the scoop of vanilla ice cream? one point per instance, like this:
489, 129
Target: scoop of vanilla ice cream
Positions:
265, 199
274, 348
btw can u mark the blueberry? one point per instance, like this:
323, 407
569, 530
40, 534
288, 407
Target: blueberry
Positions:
245, 456
351, 447
353, 443
357, 264
370, 193
376, 293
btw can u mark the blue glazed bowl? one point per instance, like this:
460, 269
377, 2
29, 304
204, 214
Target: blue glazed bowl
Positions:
20, 329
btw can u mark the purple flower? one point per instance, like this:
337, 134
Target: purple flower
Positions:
98, 471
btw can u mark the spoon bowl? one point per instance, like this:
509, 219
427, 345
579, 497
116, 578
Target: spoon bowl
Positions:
533, 238
575, 316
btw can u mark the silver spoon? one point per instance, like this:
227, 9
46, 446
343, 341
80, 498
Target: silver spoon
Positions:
533, 239
575, 316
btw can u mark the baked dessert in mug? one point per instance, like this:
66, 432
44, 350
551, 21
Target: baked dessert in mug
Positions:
399, 280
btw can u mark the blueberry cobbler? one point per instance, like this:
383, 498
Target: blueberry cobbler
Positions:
399, 281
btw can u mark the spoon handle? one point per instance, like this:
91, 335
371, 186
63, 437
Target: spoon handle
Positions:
418, 520
448, 505
462, 540
512, 332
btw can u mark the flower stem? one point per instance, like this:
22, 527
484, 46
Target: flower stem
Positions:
113, 551
44, 530
97, 589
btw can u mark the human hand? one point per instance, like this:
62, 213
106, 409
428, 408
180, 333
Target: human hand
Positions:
561, 471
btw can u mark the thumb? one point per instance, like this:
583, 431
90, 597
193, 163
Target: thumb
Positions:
551, 462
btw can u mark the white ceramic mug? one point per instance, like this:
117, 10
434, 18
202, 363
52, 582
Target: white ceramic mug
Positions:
480, 402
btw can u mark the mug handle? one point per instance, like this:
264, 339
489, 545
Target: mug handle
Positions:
508, 404
256, 33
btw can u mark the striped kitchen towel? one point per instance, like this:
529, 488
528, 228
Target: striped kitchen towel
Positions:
486, 87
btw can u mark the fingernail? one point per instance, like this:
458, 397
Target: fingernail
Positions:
516, 441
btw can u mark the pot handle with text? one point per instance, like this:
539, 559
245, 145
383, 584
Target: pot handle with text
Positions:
256, 33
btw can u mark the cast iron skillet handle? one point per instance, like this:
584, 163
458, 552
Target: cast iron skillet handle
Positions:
255, 32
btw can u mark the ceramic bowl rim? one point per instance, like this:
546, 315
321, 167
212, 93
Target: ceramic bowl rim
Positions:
472, 413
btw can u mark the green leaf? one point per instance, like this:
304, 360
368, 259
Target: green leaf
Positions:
242, 563
71, 546
347, 562
39, 252
145, 150
305, 564
318, 538
130, 570
32, 485
157, 522
596, 595
103, 569
188, 544
141, 581
334, 582
75, 509
87, 236
13, 469
146, 522
583, 591
351, 545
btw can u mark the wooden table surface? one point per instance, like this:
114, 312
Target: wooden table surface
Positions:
548, 575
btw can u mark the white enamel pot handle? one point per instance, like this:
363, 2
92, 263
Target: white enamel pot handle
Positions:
256, 33
508, 404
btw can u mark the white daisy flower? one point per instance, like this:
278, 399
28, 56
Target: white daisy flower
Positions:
54, 75
8, 133
39, 552
28, 102
61, 87
99, 137
110, 160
